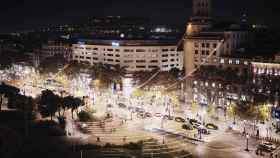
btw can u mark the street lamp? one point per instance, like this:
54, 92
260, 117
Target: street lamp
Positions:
247, 142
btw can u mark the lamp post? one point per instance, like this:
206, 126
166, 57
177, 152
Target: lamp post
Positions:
247, 142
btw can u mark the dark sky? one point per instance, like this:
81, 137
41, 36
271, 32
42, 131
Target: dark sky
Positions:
19, 14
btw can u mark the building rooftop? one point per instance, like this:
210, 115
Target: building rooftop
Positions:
127, 42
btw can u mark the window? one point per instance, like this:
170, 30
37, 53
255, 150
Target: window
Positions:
215, 53
207, 45
95, 58
117, 55
128, 61
140, 66
110, 55
196, 45
222, 61
152, 67
207, 52
203, 52
230, 61
246, 62
128, 50
214, 45
165, 55
172, 65
172, 59
164, 61
82, 57
165, 66
140, 50
117, 50
110, 60
153, 61
88, 57
117, 61
202, 45
140, 61
165, 50
237, 62
196, 52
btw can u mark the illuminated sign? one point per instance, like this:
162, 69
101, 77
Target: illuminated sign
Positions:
115, 44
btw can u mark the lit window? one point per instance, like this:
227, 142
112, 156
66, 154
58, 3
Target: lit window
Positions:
230, 61
237, 62
222, 61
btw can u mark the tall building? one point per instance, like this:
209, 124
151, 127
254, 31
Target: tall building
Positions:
205, 42
201, 17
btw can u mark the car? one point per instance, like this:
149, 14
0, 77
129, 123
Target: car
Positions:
187, 127
267, 146
158, 115
140, 115
168, 117
194, 121
148, 115
180, 119
110, 106
211, 126
131, 109
139, 110
121, 105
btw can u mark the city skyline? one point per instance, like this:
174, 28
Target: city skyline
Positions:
21, 14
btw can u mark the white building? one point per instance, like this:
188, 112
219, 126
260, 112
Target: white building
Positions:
135, 55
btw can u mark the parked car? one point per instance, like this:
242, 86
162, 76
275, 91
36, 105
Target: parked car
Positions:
131, 109
110, 106
139, 110
121, 105
168, 117
148, 115
157, 114
180, 119
211, 126
195, 123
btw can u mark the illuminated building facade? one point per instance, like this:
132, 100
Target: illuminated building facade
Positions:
134, 55
204, 43
53, 48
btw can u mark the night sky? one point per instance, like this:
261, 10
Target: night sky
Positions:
27, 14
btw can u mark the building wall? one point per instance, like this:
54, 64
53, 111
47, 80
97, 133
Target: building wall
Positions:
49, 50
134, 58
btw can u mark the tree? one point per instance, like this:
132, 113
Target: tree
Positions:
72, 103
175, 72
8, 91
49, 103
